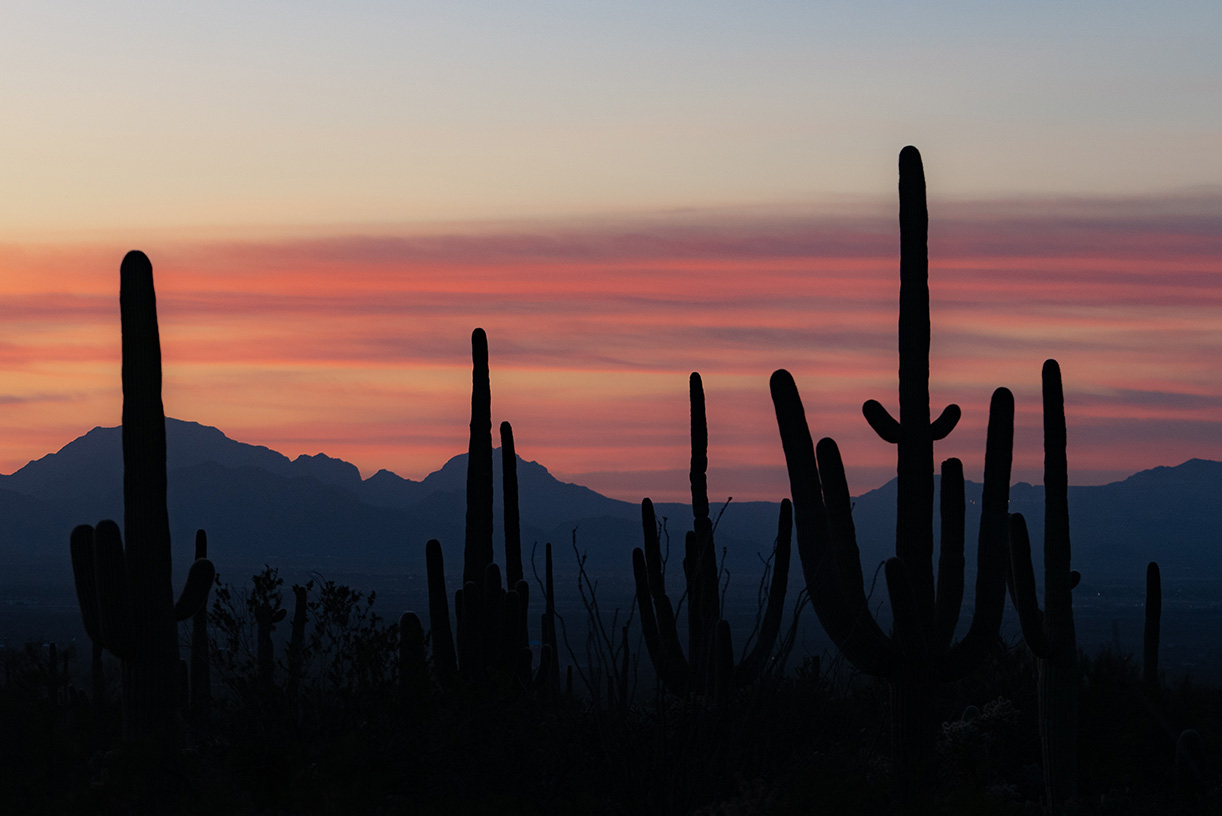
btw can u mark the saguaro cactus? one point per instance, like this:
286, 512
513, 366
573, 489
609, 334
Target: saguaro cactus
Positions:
491, 618
201, 678
1049, 632
709, 661
125, 593
920, 650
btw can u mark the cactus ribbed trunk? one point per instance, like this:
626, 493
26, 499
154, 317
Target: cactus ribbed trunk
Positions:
150, 676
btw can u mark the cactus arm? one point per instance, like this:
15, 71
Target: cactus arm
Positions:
828, 566
200, 577
653, 547
477, 552
116, 617
1154, 611
445, 662
991, 546
881, 421
862, 641
513, 526
941, 427
1022, 588
670, 671
950, 557
757, 659
698, 475
668, 628
84, 576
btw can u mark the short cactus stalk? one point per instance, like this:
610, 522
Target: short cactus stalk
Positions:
125, 592
413, 665
200, 671
1154, 612
920, 650
267, 615
513, 524
549, 651
1049, 632
704, 669
296, 649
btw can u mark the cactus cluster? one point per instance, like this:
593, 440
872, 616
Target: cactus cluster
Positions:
491, 643
709, 664
920, 650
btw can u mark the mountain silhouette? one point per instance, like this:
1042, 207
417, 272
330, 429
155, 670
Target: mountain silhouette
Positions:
259, 506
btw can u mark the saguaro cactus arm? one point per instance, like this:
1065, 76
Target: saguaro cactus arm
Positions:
1030, 616
964, 656
830, 559
770, 627
445, 661
513, 526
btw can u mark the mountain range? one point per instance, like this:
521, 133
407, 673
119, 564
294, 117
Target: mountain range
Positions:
316, 512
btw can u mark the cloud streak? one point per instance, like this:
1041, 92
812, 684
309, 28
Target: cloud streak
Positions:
358, 344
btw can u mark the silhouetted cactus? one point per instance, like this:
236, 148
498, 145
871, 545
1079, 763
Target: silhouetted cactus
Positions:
920, 650
413, 665
704, 669
1049, 633
125, 594
491, 619
477, 552
513, 526
1154, 611
549, 650
296, 648
267, 615
201, 679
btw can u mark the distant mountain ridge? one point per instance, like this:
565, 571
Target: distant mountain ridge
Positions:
259, 506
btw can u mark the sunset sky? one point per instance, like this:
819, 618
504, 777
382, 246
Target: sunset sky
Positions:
334, 195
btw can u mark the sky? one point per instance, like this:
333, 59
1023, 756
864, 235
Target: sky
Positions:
334, 195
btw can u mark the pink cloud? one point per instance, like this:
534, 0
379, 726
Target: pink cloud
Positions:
358, 345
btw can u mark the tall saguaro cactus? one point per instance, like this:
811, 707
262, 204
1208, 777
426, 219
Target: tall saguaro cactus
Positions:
1049, 632
125, 592
920, 649
709, 662
914, 435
